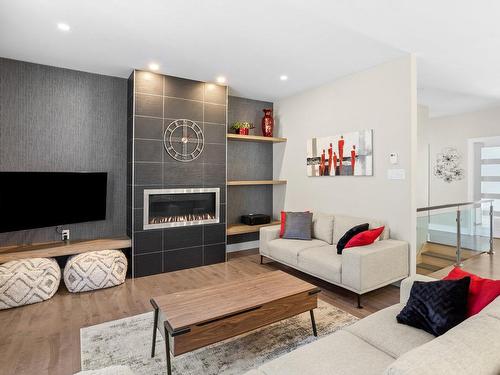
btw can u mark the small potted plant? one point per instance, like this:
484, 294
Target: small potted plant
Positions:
242, 127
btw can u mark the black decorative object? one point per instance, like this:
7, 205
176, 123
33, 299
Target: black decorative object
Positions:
255, 219
350, 234
436, 306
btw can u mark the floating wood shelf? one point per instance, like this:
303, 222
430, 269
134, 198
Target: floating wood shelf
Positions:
234, 229
254, 138
256, 182
54, 249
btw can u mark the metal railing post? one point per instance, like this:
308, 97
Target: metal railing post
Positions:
458, 261
491, 252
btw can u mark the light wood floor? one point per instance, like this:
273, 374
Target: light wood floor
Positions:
44, 338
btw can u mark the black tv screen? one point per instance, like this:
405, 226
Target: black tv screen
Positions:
43, 199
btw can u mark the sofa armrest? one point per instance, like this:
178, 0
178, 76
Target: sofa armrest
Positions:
366, 268
267, 234
406, 284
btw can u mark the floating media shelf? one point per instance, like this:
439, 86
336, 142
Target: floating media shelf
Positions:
254, 138
256, 182
234, 229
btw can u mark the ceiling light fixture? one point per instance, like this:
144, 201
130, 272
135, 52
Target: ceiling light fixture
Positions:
221, 79
154, 66
283, 78
63, 26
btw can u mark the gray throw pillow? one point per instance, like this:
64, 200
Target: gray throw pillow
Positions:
298, 226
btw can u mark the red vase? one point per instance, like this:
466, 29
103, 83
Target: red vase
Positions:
243, 131
267, 123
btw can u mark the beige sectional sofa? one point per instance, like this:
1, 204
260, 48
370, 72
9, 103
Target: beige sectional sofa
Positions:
359, 269
378, 344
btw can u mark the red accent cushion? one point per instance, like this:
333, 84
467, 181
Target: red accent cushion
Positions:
283, 221
365, 238
481, 291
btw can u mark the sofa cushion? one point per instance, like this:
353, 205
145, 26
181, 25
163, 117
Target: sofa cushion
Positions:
343, 223
287, 251
350, 234
481, 291
472, 347
340, 353
436, 306
298, 225
323, 227
365, 238
323, 262
382, 331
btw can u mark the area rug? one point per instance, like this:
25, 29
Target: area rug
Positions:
128, 342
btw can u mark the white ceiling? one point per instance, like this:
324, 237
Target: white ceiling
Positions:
253, 42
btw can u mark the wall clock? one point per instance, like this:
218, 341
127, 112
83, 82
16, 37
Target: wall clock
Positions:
183, 140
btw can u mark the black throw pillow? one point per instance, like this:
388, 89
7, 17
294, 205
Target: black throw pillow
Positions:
350, 234
436, 306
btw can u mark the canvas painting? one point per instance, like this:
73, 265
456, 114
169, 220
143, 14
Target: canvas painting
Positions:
348, 154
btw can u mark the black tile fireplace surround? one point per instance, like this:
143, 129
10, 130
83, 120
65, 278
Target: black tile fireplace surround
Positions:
154, 102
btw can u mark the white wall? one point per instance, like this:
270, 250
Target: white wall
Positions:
382, 98
422, 161
453, 131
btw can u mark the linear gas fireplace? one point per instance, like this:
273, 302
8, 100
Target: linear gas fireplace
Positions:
164, 208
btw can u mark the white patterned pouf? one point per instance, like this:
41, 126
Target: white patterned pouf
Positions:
95, 270
27, 281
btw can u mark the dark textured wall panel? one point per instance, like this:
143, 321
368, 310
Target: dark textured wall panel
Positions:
54, 119
245, 200
248, 161
243, 109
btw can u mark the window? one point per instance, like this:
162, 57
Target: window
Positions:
490, 176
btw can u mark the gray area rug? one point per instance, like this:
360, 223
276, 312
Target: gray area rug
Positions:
128, 342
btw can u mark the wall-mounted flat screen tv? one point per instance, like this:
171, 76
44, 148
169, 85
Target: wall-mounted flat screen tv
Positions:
43, 199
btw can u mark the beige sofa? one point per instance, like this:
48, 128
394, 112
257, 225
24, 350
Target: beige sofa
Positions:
377, 344
359, 269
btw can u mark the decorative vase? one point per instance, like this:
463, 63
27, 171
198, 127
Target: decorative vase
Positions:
243, 131
267, 123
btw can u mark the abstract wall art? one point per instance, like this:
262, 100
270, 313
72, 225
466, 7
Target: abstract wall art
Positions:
447, 165
347, 154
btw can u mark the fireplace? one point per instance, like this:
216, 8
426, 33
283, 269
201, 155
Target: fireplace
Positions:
166, 208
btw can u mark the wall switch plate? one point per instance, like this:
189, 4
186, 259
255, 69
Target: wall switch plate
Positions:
396, 174
65, 234
393, 158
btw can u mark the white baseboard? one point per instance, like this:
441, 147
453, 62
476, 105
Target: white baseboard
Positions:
242, 246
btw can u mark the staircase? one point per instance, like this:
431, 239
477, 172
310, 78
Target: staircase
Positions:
434, 257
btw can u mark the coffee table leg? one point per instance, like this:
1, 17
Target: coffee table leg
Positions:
313, 322
167, 352
155, 327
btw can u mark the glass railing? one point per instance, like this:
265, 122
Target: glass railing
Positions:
466, 227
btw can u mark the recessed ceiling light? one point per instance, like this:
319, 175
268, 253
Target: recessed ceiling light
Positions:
154, 66
221, 79
63, 26
283, 77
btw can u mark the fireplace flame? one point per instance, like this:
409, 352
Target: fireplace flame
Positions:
180, 218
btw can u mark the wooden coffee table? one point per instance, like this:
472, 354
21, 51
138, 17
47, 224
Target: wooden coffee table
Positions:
196, 318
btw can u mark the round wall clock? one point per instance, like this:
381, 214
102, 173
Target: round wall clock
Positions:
183, 140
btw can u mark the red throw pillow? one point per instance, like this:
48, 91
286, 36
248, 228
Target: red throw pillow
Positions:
481, 291
365, 238
283, 221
